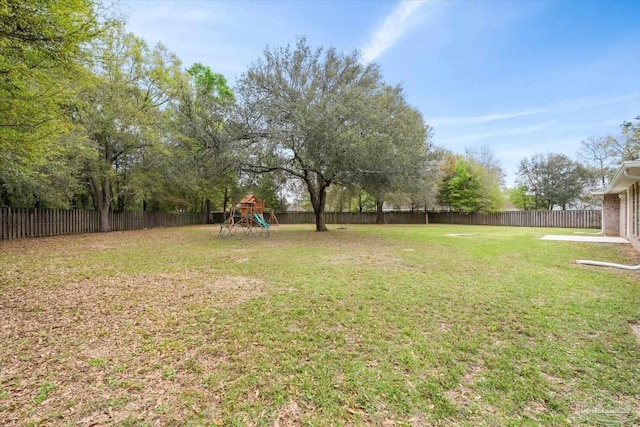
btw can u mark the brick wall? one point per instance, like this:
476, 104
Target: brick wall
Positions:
611, 215
633, 212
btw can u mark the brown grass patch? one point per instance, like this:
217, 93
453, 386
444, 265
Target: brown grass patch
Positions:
112, 240
110, 350
635, 328
629, 253
464, 395
367, 258
289, 414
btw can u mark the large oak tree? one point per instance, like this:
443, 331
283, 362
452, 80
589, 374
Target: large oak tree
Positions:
311, 113
395, 152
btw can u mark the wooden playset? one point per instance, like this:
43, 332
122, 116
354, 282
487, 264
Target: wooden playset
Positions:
248, 218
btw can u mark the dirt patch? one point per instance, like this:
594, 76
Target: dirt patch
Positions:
364, 258
98, 241
630, 254
635, 328
464, 394
288, 415
110, 350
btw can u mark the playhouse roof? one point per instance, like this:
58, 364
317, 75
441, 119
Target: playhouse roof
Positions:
628, 173
249, 198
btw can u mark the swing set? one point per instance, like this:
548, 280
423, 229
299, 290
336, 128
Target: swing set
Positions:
248, 220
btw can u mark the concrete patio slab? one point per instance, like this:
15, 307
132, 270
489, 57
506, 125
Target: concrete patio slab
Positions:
592, 239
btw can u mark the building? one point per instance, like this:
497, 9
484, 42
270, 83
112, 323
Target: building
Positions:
621, 207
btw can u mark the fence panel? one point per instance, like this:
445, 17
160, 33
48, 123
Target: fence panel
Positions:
551, 219
19, 223
346, 218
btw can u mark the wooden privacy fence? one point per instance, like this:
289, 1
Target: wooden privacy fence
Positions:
24, 223
352, 218
18, 223
556, 219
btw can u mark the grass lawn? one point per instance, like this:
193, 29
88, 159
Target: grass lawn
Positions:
386, 326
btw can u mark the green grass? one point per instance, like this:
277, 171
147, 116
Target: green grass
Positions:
392, 325
43, 392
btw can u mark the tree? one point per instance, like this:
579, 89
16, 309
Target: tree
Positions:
201, 146
43, 53
120, 111
43, 46
267, 189
471, 183
303, 111
605, 154
552, 179
395, 147
520, 198
423, 193
56, 182
628, 145
599, 153
491, 175
461, 190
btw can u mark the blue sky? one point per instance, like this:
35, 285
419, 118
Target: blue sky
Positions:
519, 77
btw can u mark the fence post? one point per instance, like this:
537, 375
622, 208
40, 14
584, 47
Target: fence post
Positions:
10, 223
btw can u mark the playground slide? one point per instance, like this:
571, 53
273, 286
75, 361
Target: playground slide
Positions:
260, 220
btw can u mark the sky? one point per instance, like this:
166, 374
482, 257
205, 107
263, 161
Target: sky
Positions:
517, 77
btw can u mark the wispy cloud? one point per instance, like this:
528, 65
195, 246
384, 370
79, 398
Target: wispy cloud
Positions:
520, 152
594, 102
568, 106
498, 133
486, 118
394, 27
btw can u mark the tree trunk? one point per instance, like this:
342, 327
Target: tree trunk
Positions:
318, 197
320, 225
379, 213
121, 204
224, 203
101, 196
104, 219
106, 206
207, 209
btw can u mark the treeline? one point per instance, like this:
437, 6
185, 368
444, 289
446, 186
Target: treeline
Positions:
552, 180
93, 117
